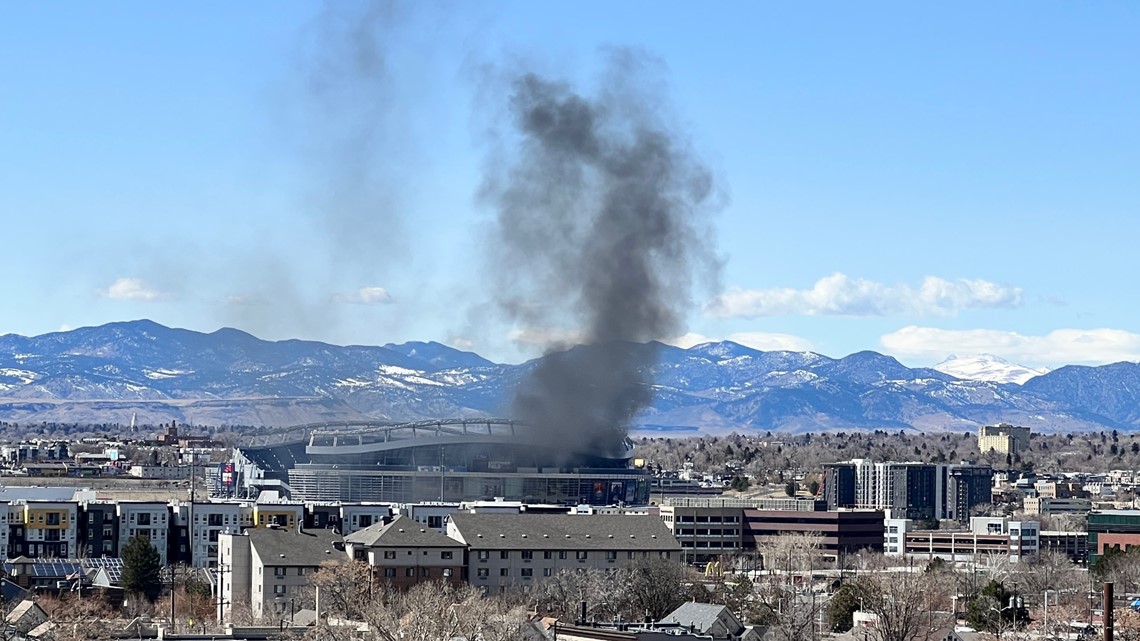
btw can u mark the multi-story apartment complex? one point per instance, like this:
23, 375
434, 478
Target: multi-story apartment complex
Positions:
514, 550
198, 527
911, 490
150, 520
356, 517
47, 529
99, 529
403, 553
1003, 438
839, 485
268, 569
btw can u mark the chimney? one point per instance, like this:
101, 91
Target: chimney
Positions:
1108, 611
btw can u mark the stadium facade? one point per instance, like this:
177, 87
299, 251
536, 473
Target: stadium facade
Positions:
444, 460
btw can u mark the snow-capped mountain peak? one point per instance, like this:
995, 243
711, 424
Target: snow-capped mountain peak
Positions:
987, 367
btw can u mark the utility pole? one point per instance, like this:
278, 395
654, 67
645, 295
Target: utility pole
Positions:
173, 570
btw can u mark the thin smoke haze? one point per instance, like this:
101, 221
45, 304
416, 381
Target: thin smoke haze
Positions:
602, 211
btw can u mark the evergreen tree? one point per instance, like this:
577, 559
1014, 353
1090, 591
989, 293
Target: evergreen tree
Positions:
141, 568
996, 608
841, 608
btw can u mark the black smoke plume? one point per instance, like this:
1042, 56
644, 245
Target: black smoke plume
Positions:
602, 227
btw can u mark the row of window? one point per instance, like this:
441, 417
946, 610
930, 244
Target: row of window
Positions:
445, 554
708, 519
707, 532
411, 572
710, 544
528, 555
525, 573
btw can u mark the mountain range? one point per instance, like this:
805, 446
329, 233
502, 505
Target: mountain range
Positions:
108, 374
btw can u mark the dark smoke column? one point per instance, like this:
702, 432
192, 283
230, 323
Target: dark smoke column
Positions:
602, 223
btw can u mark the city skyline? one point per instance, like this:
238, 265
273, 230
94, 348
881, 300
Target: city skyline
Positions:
909, 180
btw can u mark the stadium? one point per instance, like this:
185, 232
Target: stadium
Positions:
442, 460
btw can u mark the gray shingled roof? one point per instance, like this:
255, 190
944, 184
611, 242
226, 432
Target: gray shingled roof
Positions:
701, 616
564, 532
282, 547
401, 532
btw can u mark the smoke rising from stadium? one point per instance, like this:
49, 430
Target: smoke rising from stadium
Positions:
602, 209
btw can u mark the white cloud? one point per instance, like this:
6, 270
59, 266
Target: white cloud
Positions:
842, 295
763, 341
364, 296
1058, 347
133, 289
65, 328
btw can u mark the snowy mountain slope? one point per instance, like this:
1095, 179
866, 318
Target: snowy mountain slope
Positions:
987, 367
229, 376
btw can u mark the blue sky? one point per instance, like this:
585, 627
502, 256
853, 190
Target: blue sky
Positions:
917, 180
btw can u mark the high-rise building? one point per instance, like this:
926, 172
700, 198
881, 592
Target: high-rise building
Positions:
1003, 438
839, 485
915, 491
909, 490
968, 486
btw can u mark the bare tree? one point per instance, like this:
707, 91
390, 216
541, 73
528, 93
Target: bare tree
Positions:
791, 553
908, 606
423, 612
650, 588
76, 619
1048, 570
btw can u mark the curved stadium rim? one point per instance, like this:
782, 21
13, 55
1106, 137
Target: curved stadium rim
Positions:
295, 433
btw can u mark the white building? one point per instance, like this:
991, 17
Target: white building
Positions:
210, 520
356, 517
150, 520
167, 472
986, 536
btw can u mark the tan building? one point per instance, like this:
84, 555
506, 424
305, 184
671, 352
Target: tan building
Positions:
1042, 505
705, 533
512, 550
1003, 438
50, 529
404, 552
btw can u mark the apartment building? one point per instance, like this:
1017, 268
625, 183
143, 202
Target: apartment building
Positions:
46, 529
150, 520
287, 515
356, 517
403, 553
513, 550
913, 490
268, 569
198, 527
99, 529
